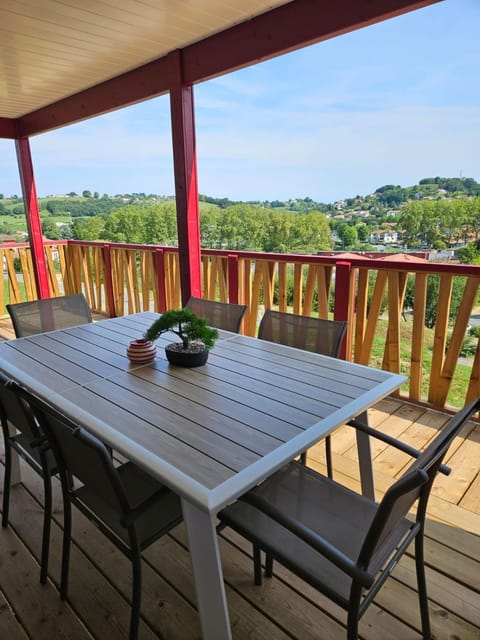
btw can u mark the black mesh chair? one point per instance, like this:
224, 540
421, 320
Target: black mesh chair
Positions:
221, 315
343, 544
24, 437
311, 334
38, 316
127, 505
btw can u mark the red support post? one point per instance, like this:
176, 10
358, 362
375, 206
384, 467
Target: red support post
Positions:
186, 185
34, 224
233, 280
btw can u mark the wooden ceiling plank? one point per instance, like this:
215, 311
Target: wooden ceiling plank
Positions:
285, 28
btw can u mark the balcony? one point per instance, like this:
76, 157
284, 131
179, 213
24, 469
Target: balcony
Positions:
120, 279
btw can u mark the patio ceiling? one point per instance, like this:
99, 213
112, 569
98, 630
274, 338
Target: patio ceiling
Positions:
51, 49
66, 60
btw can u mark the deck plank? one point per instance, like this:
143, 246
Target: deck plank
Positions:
284, 607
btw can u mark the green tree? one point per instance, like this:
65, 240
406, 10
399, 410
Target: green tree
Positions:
50, 229
88, 228
311, 233
347, 235
363, 232
469, 254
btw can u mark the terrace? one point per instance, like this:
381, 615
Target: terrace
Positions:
120, 279
142, 278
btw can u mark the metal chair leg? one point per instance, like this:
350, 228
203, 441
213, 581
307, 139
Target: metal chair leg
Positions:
47, 520
269, 565
328, 452
136, 594
67, 535
422, 587
257, 565
6, 484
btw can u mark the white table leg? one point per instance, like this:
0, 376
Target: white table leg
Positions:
365, 458
207, 572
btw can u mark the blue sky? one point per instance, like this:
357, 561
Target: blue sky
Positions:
388, 104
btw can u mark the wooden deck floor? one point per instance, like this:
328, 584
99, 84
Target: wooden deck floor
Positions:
284, 607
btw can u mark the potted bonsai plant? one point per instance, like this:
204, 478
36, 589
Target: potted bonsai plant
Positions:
196, 337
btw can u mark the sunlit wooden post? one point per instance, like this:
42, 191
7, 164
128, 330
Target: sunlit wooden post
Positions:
344, 305
161, 280
34, 224
108, 280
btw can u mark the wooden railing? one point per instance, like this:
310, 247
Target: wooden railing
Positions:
118, 279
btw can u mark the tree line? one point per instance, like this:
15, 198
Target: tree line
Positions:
441, 223
237, 227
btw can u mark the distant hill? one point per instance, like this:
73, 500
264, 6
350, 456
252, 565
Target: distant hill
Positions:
386, 196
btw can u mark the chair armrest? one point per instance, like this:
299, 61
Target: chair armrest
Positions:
415, 453
311, 538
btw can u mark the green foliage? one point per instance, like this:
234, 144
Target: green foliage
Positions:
463, 185
348, 235
137, 224
429, 222
391, 195
186, 325
50, 229
433, 293
79, 207
253, 228
363, 232
468, 255
474, 331
88, 228
468, 348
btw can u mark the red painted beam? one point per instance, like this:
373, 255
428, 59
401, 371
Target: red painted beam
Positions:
34, 223
289, 27
186, 184
8, 128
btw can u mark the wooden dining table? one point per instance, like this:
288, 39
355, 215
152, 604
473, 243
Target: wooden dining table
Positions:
209, 433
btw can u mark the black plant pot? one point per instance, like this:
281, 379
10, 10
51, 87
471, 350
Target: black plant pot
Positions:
183, 358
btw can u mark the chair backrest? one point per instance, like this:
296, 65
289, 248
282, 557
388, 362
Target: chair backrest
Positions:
303, 332
221, 315
38, 316
14, 409
80, 455
415, 483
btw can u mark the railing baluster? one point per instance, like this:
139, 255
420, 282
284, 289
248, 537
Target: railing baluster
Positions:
118, 278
